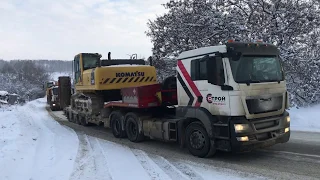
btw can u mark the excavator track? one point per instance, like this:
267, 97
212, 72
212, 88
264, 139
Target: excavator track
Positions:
89, 104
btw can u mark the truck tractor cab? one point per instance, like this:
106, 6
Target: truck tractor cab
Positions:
54, 98
238, 92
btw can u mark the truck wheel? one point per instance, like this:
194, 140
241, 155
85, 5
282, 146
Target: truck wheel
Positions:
197, 140
132, 128
116, 125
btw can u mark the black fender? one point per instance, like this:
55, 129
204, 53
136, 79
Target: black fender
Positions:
201, 114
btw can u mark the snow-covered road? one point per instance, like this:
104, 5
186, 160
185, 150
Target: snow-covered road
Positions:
33, 146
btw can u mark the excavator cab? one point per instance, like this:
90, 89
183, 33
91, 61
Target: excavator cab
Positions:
85, 61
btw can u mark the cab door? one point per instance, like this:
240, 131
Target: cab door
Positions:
208, 75
77, 70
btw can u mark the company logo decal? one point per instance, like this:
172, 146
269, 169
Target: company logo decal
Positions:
130, 74
216, 100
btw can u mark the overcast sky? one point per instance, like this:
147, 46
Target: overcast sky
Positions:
59, 29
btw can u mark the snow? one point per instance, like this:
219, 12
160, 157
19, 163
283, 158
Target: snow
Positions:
55, 76
305, 119
3, 93
4, 102
34, 146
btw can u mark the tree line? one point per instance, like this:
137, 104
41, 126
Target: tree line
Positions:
27, 77
292, 25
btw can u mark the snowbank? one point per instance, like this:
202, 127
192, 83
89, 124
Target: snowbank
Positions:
305, 119
3, 93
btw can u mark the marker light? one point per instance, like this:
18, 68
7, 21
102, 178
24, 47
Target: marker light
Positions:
288, 119
286, 130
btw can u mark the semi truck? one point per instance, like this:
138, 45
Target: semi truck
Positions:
230, 97
59, 94
53, 97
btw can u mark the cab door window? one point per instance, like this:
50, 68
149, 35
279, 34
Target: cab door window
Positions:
77, 69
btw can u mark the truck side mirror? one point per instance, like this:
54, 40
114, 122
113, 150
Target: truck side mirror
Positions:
215, 71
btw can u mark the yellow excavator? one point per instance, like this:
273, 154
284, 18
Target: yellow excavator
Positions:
97, 80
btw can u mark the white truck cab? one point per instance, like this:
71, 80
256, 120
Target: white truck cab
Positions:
54, 95
238, 92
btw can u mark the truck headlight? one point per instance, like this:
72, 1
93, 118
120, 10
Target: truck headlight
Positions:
288, 119
241, 127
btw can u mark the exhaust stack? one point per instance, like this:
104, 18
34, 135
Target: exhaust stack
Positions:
109, 56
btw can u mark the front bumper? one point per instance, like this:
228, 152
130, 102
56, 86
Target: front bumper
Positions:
263, 132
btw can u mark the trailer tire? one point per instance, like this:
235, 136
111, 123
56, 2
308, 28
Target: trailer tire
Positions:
76, 119
83, 120
68, 114
132, 128
116, 125
197, 140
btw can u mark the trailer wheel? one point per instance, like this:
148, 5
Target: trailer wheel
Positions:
197, 140
132, 128
83, 120
116, 125
68, 114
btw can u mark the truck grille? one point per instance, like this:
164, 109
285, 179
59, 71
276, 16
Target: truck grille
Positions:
264, 105
265, 125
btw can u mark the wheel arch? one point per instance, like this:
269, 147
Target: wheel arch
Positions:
194, 114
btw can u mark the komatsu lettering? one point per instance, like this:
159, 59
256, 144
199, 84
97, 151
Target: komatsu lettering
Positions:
130, 74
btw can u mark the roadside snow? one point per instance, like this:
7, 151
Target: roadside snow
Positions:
3, 102
34, 146
305, 119
3, 93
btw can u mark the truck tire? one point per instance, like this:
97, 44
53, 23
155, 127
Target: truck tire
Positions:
197, 140
132, 128
116, 125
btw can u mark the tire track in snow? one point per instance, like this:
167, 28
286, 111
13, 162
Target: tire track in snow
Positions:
154, 171
88, 164
186, 169
44, 144
101, 164
124, 164
169, 168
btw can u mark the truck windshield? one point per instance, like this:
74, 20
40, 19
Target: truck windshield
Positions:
90, 61
55, 91
49, 84
255, 69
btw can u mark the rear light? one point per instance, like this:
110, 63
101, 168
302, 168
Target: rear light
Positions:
230, 41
